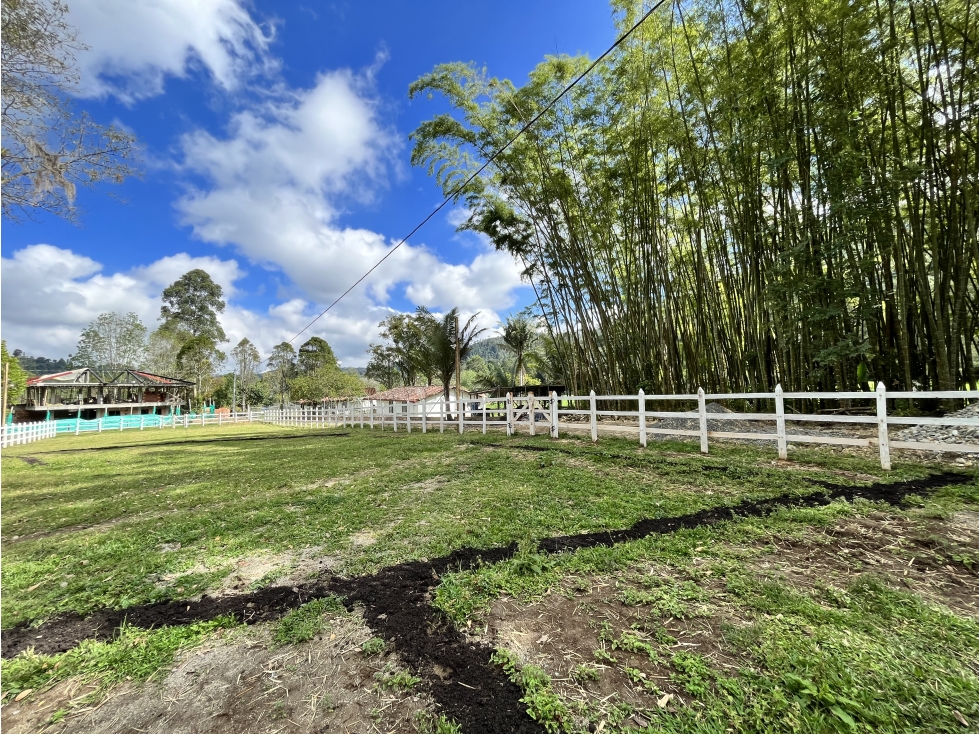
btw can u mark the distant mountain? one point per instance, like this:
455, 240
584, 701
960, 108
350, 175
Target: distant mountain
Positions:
41, 365
492, 349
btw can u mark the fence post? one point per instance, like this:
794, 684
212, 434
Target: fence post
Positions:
594, 417
555, 407
642, 418
484, 416
702, 410
100, 425
509, 414
442, 415
78, 423
395, 414
424, 403
360, 410
408, 415
462, 411
882, 438
783, 448
531, 413
142, 420
121, 417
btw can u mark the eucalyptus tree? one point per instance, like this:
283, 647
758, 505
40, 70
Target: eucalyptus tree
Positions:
315, 354
112, 341
246, 358
192, 303
282, 368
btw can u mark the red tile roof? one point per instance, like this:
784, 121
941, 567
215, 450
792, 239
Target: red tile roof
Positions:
408, 394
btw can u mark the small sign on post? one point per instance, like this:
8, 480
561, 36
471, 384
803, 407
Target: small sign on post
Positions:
509, 414
532, 413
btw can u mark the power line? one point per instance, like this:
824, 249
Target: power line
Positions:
489, 160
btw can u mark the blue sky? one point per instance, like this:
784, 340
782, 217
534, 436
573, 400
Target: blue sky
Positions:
276, 157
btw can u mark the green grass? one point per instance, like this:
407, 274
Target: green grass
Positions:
134, 654
85, 530
88, 530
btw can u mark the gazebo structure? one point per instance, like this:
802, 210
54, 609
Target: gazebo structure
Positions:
87, 394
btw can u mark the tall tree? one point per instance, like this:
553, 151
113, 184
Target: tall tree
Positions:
741, 194
439, 343
112, 341
383, 365
325, 382
49, 149
315, 354
198, 358
16, 376
193, 303
246, 359
282, 367
520, 334
162, 348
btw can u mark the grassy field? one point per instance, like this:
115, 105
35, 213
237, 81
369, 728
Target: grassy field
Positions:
113, 521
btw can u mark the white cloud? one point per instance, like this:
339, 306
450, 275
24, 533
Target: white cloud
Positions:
274, 187
133, 46
50, 294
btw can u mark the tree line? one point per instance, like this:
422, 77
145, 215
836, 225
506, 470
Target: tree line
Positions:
187, 345
744, 193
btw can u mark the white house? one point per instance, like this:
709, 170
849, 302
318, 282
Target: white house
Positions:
416, 401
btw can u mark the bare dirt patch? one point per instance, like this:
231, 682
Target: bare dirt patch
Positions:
938, 560
244, 686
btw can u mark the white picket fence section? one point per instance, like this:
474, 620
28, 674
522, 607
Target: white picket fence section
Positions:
18, 433
543, 414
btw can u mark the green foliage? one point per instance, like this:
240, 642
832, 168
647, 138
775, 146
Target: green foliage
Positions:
303, 624
16, 376
314, 355
397, 681
192, 303
374, 646
428, 723
326, 382
543, 705
112, 341
706, 207
282, 368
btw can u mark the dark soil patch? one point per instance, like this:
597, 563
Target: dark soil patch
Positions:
32, 460
225, 439
396, 601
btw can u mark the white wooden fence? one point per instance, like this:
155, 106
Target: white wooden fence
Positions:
544, 414
18, 433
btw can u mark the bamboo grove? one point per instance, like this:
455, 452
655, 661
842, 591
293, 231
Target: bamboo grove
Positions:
747, 192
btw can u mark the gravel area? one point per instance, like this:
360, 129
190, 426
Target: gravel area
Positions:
945, 434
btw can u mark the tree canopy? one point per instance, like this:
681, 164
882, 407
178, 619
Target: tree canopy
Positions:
192, 303
49, 149
741, 194
112, 341
315, 354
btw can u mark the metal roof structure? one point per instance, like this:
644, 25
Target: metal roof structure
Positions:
89, 377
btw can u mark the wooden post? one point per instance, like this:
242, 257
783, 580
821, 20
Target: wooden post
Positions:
531, 414
78, 423
100, 425
408, 414
424, 403
509, 414
484, 416
702, 410
555, 408
642, 418
442, 414
594, 417
783, 448
460, 407
882, 437
142, 418
394, 412
458, 371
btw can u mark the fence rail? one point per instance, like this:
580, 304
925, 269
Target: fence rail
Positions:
18, 433
544, 413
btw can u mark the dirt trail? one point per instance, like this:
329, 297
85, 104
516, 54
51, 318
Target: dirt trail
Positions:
458, 673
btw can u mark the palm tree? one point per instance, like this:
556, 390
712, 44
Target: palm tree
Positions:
439, 340
520, 335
